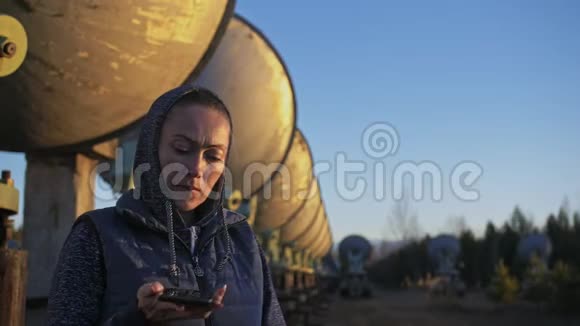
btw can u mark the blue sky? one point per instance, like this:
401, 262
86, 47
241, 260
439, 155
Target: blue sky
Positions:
495, 82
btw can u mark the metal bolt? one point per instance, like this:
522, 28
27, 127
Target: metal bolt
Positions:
6, 178
5, 175
8, 49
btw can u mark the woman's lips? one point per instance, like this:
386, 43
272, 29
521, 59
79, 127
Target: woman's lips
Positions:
189, 188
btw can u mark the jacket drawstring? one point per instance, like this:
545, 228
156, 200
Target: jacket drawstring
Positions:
228, 255
173, 268
174, 271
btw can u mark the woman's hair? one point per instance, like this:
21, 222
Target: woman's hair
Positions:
205, 97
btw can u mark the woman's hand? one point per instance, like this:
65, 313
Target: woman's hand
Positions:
156, 311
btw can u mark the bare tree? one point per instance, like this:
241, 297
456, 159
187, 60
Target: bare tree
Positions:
565, 206
403, 222
456, 225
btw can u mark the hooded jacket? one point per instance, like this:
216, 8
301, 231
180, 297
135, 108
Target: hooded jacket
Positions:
142, 239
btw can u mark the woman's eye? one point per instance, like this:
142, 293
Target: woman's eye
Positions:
180, 150
213, 158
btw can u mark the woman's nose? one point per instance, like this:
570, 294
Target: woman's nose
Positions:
195, 165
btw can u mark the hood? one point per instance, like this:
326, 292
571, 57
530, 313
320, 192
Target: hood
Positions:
150, 206
147, 187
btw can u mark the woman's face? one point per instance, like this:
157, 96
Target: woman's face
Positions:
192, 153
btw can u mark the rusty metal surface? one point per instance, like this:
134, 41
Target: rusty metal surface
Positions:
93, 68
13, 274
250, 77
298, 223
286, 189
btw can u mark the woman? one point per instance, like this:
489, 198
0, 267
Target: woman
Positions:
170, 232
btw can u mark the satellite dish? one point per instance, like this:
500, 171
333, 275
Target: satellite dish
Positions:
250, 77
535, 244
324, 250
443, 251
93, 69
314, 230
355, 244
319, 243
286, 189
326, 245
354, 251
298, 223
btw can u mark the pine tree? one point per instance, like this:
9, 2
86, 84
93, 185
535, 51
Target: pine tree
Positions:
470, 271
519, 223
489, 253
563, 219
508, 243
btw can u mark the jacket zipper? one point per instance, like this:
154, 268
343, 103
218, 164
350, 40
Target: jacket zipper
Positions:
193, 239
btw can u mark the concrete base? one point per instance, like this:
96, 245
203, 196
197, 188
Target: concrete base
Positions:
58, 188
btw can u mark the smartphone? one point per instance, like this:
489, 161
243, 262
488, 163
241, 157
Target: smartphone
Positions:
185, 297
